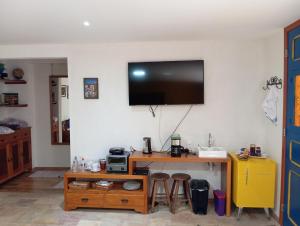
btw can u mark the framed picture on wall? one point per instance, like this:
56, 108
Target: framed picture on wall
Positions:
64, 91
90, 88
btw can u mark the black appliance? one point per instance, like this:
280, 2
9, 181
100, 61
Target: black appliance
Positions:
147, 145
176, 151
200, 190
116, 151
166, 82
141, 171
176, 148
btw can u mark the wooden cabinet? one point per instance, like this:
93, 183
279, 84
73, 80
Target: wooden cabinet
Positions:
253, 182
116, 197
3, 162
15, 154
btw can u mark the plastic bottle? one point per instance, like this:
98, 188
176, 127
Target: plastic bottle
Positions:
75, 165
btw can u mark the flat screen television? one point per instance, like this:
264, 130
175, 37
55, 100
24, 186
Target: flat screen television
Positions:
166, 82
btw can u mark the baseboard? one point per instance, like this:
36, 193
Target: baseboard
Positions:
50, 168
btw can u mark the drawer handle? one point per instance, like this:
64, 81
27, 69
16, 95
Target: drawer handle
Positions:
84, 200
124, 201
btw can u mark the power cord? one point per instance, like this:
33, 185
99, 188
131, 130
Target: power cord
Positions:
177, 126
152, 110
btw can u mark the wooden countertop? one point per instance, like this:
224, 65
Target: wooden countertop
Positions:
138, 156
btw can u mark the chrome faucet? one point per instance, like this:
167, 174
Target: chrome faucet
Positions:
210, 140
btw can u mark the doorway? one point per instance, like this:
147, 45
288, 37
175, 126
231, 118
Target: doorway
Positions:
290, 198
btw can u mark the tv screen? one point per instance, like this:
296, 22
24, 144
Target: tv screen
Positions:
166, 82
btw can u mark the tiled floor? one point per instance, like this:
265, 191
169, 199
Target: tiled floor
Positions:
41, 206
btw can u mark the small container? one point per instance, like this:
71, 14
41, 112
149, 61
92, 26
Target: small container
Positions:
219, 200
252, 149
102, 164
258, 151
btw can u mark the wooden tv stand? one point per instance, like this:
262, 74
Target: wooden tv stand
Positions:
116, 197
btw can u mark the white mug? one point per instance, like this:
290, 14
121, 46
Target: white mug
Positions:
95, 166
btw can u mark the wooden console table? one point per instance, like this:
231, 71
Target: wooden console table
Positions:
115, 198
164, 157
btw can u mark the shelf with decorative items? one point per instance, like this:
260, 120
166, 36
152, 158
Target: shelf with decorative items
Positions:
11, 99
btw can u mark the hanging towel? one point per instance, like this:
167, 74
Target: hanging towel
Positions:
270, 104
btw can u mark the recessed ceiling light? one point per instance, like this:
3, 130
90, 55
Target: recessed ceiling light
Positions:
86, 23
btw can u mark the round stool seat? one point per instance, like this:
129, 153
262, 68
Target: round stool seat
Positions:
160, 176
181, 176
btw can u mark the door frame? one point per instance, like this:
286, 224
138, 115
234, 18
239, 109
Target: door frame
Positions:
285, 88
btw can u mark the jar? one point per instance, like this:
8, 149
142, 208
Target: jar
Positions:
252, 149
258, 151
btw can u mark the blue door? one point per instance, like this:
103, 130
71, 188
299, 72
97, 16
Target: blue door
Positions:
291, 210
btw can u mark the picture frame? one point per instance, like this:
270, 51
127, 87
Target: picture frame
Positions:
90, 88
64, 91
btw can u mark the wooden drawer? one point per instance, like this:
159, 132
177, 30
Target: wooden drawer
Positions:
85, 200
124, 201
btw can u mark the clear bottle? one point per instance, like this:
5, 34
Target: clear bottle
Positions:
75, 164
82, 164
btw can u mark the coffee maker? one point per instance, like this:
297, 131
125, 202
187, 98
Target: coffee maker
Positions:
147, 145
176, 147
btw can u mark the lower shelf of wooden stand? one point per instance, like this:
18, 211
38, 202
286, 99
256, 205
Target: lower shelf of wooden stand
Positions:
14, 106
115, 189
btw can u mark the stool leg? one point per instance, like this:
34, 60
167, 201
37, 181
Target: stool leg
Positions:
167, 192
175, 197
184, 191
152, 190
172, 190
188, 194
154, 194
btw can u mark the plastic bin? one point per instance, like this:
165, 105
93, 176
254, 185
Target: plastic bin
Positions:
200, 190
219, 200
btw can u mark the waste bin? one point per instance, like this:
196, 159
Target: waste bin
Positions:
200, 190
219, 200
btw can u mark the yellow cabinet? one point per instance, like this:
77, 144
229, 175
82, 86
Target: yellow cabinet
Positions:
253, 182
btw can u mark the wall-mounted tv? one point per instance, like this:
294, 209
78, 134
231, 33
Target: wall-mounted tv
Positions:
166, 82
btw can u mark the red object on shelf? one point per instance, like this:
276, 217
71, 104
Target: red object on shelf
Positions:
9, 81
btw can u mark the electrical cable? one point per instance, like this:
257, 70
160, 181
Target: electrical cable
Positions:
153, 110
177, 126
159, 123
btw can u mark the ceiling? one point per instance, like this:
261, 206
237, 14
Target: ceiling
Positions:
61, 21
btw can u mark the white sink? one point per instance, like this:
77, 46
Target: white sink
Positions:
212, 152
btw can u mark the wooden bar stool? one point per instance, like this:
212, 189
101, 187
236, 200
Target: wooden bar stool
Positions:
162, 178
184, 178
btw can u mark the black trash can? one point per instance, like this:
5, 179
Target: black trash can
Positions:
200, 190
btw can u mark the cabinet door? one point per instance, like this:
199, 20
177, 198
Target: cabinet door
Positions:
240, 183
26, 146
261, 184
3, 163
16, 162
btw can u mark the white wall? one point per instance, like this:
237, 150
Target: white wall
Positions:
36, 94
234, 74
274, 66
232, 113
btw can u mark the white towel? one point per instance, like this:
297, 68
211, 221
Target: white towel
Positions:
270, 104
